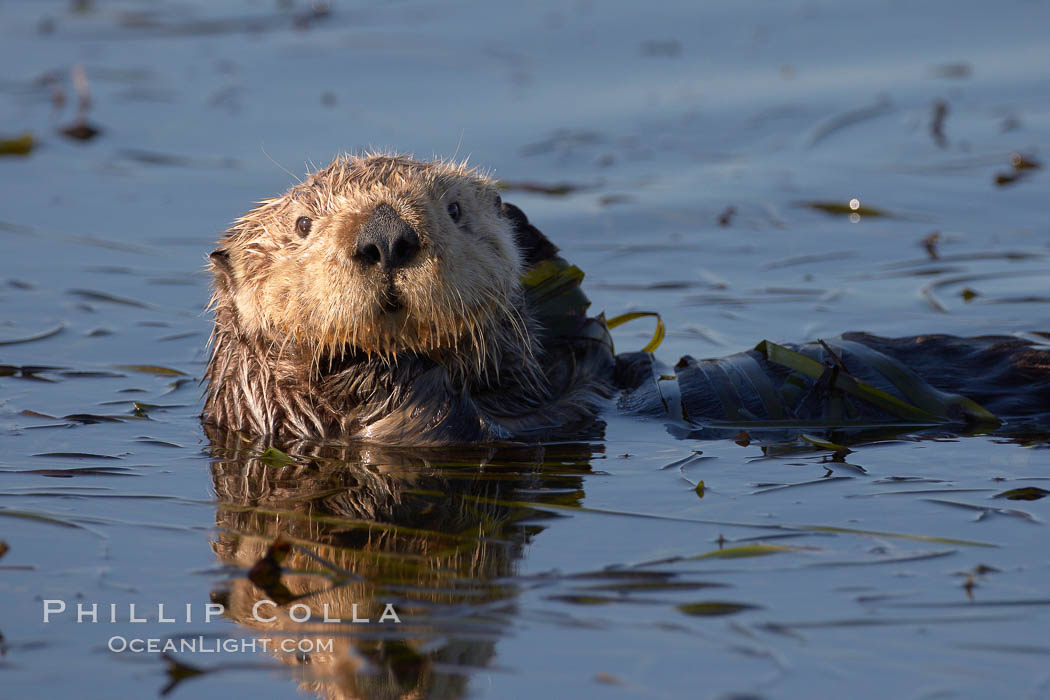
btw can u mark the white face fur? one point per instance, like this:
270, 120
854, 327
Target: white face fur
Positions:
294, 270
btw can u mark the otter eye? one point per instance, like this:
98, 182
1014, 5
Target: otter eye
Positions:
499, 203
303, 224
453, 211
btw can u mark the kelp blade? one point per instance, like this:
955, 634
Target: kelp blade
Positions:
925, 403
809, 367
784, 388
658, 333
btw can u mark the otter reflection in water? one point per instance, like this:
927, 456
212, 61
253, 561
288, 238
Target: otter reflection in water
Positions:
435, 534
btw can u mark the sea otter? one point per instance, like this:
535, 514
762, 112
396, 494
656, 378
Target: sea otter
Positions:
381, 300
391, 300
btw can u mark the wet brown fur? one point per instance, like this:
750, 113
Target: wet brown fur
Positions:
303, 348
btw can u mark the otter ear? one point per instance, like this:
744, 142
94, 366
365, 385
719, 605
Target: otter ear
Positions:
534, 246
223, 269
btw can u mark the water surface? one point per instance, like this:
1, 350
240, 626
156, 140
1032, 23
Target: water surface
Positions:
710, 154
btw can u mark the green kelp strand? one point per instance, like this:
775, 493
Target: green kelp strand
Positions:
658, 333
813, 369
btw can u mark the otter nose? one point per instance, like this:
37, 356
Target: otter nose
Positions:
387, 240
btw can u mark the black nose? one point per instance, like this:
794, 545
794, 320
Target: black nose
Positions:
387, 240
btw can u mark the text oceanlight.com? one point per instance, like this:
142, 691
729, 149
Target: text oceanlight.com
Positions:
204, 645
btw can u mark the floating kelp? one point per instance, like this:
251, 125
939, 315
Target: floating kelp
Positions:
726, 217
930, 243
813, 482
174, 160
658, 333
851, 208
75, 455
1021, 165
649, 585
833, 383
92, 418
81, 131
153, 369
940, 114
153, 23
560, 189
69, 473
896, 535
553, 288
747, 551
955, 71
1028, 493
93, 295
27, 371
715, 608
578, 599
21, 145
32, 338
921, 401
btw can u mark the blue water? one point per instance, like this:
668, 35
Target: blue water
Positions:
664, 115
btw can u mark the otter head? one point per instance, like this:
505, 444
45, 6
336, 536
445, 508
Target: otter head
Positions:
375, 255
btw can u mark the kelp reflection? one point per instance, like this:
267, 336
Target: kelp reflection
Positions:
424, 531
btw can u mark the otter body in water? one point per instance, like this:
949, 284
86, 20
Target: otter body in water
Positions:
397, 301
381, 300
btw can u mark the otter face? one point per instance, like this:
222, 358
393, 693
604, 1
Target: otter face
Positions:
378, 254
